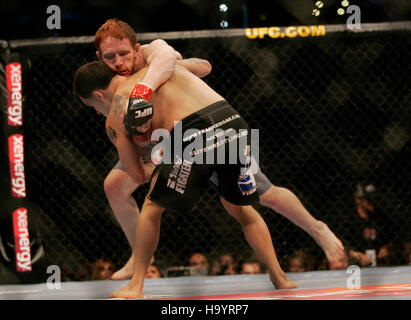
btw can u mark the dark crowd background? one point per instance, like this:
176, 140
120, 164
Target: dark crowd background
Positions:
27, 19
333, 111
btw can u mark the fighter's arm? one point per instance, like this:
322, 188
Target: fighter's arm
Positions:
199, 67
161, 59
124, 144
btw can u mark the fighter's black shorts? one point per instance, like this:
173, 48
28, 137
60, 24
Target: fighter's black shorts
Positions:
214, 139
261, 180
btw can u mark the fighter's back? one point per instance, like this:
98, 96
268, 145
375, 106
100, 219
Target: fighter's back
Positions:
183, 94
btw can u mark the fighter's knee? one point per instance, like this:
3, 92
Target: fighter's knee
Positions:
270, 198
118, 185
111, 187
233, 210
229, 207
152, 210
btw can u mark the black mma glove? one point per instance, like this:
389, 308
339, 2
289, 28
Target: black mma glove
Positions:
139, 109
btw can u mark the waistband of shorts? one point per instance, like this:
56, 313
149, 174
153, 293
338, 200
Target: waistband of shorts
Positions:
207, 111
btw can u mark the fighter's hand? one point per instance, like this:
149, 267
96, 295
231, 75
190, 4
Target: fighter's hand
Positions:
139, 109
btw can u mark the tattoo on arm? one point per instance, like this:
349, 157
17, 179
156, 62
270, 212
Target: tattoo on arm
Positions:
111, 134
117, 103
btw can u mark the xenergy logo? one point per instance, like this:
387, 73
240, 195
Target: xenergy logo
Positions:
16, 159
22, 240
14, 94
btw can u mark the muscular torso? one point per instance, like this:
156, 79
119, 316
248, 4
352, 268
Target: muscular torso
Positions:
182, 95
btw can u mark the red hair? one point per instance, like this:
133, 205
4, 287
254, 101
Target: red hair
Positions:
117, 29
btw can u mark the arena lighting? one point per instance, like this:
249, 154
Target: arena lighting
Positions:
316, 12
224, 24
223, 7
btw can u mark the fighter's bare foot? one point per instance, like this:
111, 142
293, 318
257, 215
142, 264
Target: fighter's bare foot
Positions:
326, 239
125, 272
283, 282
127, 292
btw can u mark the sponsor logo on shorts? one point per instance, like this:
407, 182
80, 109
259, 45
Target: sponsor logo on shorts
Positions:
177, 180
247, 184
14, 94
211, 145
16, 159
22, 240
197, 133
246, 180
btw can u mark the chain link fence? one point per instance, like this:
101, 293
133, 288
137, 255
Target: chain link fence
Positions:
332, 111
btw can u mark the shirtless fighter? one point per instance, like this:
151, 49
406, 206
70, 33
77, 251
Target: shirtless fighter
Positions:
117, 46
186, 98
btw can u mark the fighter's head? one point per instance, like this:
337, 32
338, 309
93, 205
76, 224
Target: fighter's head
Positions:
90, 83
117, 46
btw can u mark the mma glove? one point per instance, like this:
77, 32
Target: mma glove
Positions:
139, 108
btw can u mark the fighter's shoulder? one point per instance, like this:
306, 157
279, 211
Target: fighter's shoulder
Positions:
117, 105
137, 76
117, 111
